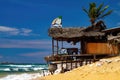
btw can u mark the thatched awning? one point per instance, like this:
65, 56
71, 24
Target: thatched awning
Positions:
67, 33
114, 38
116, 29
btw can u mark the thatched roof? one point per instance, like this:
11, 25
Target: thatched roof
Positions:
114, 38
115, 29
113, 34
78, 32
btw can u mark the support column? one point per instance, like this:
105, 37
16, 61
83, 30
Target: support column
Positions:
94, 58
71, 64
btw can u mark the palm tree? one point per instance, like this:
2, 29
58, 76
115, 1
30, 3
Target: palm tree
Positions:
95, 13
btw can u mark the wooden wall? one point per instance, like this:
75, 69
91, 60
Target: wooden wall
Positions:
101, 48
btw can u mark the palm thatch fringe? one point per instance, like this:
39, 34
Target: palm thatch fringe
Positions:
72, 32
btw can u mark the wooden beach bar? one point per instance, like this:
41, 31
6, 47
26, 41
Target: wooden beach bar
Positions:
76, 46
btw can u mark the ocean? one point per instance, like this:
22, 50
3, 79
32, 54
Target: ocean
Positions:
22, 71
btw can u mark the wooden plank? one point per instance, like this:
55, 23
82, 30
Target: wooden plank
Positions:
101, 48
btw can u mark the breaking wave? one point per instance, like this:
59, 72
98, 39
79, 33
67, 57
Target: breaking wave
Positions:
22, 71
21, 67
24, 76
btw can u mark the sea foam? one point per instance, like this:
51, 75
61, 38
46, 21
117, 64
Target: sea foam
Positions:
24, 76
23, 71
23, 68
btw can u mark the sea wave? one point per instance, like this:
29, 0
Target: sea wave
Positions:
5, 69
22, 71
22, 67
12, 65
24, 76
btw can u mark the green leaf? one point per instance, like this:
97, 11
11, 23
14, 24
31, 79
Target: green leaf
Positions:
106, 14
99, 8
95, 13
103, 10
85, 10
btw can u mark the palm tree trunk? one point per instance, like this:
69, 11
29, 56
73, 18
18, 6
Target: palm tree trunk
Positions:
92, 20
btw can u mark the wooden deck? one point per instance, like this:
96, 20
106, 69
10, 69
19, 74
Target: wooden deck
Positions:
74, 57
70, 62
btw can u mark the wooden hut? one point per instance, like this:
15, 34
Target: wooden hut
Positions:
93, 44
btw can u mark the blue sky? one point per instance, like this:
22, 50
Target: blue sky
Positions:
24, 25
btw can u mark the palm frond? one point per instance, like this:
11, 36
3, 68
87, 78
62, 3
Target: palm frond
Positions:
95, 12
92, 10
85, 10
106, 14
99, 8
103, 10
91, 6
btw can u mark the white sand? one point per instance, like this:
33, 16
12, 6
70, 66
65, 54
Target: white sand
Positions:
105, 69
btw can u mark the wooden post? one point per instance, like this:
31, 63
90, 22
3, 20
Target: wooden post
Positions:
75, 62
86, 61
81, 62
66, 65
94, 58
61, 64
83, 46
71, 64
90, 61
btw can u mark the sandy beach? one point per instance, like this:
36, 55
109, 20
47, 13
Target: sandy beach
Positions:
105, 69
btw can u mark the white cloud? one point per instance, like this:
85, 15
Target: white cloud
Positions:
5, 29
8, 30
14, 31
36, 44
25, 32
